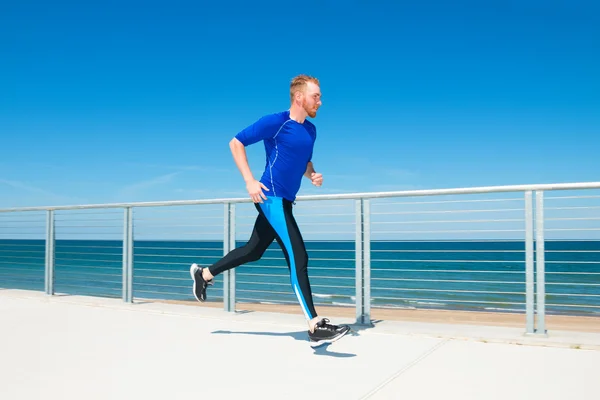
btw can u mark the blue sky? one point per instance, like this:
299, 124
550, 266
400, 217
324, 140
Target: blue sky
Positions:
137, 101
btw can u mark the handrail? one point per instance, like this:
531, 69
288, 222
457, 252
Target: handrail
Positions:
346, 196
393, 283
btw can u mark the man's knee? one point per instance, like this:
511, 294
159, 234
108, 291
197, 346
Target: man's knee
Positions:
302, 260
253, 253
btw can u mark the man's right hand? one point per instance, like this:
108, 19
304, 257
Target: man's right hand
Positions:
254, 190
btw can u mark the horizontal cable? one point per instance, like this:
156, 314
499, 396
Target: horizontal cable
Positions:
452, 261
87, 273
347, 203
79, 266
70, 279
444, 211
21, 226
570, 229
299, 216
40, 245
287, 285
16, 251
572, 273
166, 293
328, 223
60, 284
312, 267
260, 291
84, 259
572, 262
546, 197
75, 246
162, 270
573, 208
176, 226
313, 233
571, 305
445, 300
159, 285
88, 254
571, 284
176, 218
171, 234
177, 248
25, 233
327, 250
445, 271
66, 213
161, 277
573, 219
267, 301
444, 251
60, 221
287, 276
173, 256
165, 262
445, 280
8, 265
571, 251
375, 204
445, 291
40, 257
333, 214
116, 234
454, 231
26, 274
449, 221
572, 294
38, 219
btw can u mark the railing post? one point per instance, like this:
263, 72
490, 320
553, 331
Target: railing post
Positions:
228, 245
363, 262
231, 247
540, 262
366, 209
128, 255
130, 258
529, 266
50, 246
359, 263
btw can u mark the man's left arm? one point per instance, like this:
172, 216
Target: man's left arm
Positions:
310, 173
310, 169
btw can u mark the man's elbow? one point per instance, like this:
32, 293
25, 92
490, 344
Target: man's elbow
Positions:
235, 144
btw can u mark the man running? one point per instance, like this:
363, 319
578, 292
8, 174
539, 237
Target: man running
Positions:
289, 140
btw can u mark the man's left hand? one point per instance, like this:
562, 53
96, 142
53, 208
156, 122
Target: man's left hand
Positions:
316, 178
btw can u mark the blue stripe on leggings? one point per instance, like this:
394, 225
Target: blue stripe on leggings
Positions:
273, 209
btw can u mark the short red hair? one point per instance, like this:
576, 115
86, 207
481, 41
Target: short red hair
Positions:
299, 84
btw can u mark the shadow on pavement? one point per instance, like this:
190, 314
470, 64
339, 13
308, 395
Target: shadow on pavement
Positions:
303, 336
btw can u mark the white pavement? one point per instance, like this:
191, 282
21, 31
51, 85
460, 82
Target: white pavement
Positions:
72, 347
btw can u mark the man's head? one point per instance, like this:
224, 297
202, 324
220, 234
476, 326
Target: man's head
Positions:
306, 93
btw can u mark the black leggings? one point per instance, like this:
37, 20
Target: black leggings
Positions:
275, 221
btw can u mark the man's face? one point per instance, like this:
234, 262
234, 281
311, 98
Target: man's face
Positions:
312, 99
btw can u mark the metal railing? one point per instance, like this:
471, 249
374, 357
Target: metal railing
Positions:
519, 249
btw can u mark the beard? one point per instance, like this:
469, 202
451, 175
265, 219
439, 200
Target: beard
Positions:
312, 112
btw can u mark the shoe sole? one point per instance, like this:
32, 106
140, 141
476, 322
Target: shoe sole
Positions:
328, 341
193, 269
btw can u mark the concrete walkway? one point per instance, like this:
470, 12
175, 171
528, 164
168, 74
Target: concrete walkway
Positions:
70, 347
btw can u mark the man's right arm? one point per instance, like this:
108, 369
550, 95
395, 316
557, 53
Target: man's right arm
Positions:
264, 128
238, 150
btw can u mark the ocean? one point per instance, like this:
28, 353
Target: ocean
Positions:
456, 275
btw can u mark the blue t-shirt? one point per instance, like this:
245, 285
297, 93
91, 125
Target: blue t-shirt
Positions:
288, 146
